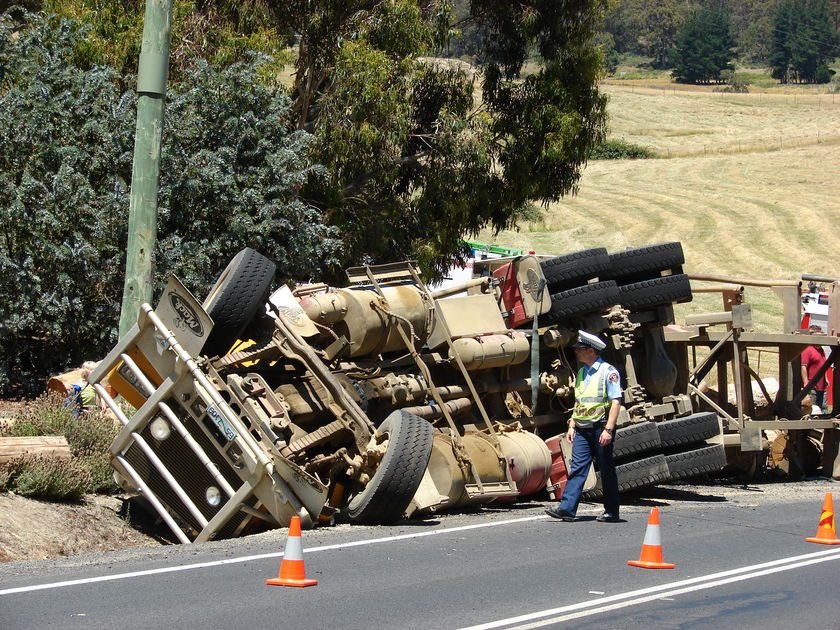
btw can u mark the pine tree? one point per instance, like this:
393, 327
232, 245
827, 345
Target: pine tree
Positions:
820, 41
704, 47
804, 42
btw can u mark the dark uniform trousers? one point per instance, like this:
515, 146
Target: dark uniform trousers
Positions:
585, 448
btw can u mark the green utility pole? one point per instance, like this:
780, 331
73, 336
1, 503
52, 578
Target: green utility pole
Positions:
152, 75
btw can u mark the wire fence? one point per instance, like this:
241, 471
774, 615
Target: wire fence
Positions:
827, 98
771, 142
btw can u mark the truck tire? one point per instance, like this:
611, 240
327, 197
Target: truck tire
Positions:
703, 460
644, 262
635, 474
240, 291
586, 299
572, 270
690, 429
635, 438
655, 292
386, 496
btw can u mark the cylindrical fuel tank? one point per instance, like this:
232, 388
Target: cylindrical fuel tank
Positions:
364, 317
448, 477
324, 308
492, 351
528, 459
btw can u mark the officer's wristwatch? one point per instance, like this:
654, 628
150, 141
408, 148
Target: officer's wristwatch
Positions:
608, 430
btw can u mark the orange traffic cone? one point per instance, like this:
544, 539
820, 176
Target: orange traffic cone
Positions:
826, 534
292, 571
651, 557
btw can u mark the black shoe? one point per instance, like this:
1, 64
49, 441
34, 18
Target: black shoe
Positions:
563, 515
607, 518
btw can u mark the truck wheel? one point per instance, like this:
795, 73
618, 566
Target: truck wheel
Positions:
635, 438
642, 472
697, 462
655, 292
694, 428
586, 299
390, 490
572, 270
644, 262
238, 294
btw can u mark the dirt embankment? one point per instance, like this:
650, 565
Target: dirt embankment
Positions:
34, 530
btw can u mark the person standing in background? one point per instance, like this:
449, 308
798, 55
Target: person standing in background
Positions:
812, 360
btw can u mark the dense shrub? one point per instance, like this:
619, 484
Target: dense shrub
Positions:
823, 74
230, 175
620, 150
47, 478
89, 436
733, 83
65, 142
230, 178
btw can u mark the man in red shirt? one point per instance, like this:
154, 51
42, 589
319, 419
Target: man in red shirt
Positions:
812, 359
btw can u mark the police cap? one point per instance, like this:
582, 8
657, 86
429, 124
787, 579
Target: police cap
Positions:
588, 340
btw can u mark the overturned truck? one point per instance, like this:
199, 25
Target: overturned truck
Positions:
385, 399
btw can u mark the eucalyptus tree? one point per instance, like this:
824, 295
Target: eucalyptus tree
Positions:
421, 151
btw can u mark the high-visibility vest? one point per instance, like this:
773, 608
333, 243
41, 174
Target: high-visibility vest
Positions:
591, 402
87, 397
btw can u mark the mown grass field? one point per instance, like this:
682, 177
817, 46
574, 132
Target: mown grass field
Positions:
749, 183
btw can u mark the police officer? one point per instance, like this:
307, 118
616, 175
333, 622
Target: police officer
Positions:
591, 430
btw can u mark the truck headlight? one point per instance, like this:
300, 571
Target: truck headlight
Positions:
213, 496
160, 429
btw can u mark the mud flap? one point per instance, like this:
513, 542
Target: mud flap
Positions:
750, 437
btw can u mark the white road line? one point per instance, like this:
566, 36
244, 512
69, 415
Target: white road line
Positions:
681, 591
277, 554
633, 598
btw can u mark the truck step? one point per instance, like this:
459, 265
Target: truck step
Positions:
497, 489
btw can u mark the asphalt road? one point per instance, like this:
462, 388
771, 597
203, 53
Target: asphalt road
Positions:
740, 553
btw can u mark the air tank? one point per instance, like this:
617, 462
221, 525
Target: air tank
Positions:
491, 351
370, 321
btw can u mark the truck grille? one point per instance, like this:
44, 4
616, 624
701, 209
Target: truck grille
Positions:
184, 466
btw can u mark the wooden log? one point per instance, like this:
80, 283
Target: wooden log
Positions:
796, 453
43, 445
63, 382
